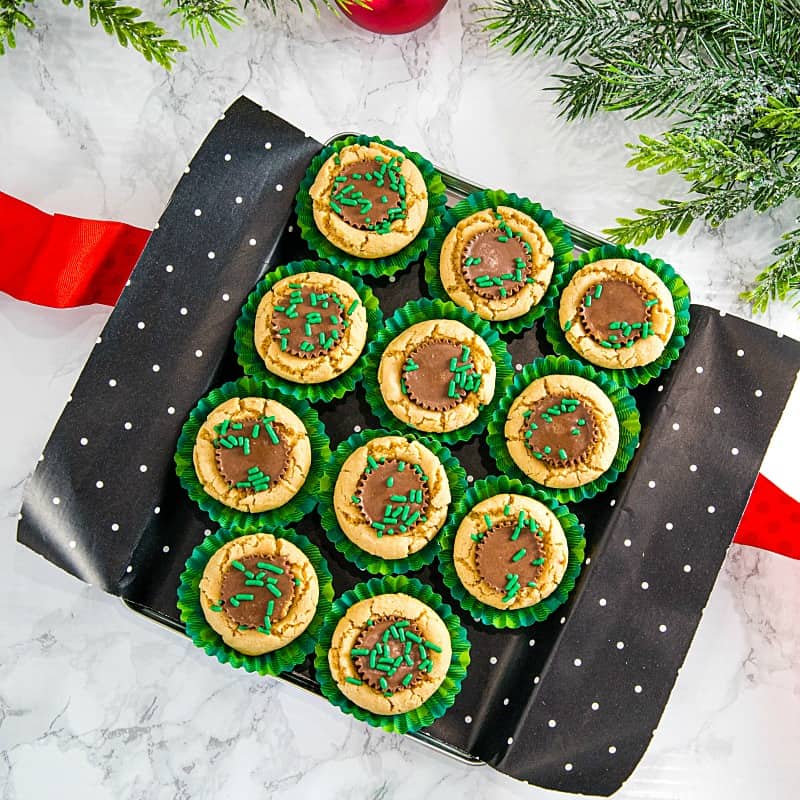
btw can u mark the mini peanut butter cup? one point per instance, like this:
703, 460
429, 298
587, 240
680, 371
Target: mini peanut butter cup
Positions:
391, 654
615, 313
439, 373
251, 454
392, 495
257, 591
560, 430
370, 194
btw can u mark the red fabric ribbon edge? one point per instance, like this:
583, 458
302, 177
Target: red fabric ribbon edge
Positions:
61, 261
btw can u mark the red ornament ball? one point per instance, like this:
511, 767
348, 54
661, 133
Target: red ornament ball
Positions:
394, 16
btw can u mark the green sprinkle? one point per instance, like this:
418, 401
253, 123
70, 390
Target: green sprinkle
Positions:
598, 290
238, 565
354, 681
432, 646
519, 554
488, 520
270, 567
408, 678
357, 651
567, 324
562, 454
353, 307
241, 596
254, 582
537, 562
216, 606
384, 684
652, 302
274, 589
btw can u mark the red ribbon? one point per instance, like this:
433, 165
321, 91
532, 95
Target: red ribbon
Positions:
62, 261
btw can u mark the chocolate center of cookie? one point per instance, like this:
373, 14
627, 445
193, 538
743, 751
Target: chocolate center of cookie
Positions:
510, 555
251, 454
370, 194
392, 495
496, 265
308, 323
391, 653
257, 591
560, 430
615, 313
438, 374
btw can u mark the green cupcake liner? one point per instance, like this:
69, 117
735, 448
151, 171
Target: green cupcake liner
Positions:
624, 406
418, 311
521, 617
206, 638
445, 695
252, 363
554, 229
376, 267
243, 521
634, 376
456, 478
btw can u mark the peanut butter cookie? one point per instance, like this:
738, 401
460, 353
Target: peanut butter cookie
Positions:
389, 653
369, 200
510, 551
391, 496
258, 593
437, 375
252, 454
497, 263
310, 327
562, 431
617, 313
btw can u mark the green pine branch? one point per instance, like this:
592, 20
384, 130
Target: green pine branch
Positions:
200, 16
11, 15
143, 36
781, 279
728, 71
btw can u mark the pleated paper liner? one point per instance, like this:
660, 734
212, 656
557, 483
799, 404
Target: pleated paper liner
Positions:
445, 695
456, 478
521, 617
231, 518
554, 229
252, 363
420, 311
386, 265
206, 638
624, 406
633, 376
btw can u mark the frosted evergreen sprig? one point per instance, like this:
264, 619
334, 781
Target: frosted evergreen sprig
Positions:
729, 73
200, 17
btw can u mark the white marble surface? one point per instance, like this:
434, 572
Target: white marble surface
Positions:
95, 702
